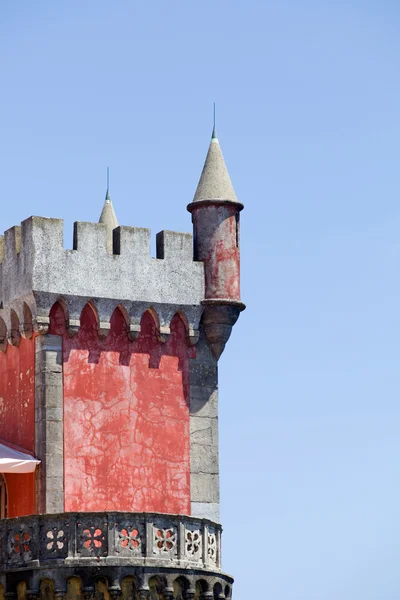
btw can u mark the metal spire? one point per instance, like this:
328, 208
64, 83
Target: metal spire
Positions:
108, 216
214, 133
108, 184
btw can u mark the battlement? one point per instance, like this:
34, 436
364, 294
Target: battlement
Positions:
36, 270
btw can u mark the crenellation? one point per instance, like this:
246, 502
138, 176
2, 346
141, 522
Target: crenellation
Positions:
45, 269
172, 245
132, 242
12, 241
90, 238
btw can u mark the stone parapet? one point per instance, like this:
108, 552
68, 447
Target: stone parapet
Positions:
36, 271
114, 537
113, 546
35, 267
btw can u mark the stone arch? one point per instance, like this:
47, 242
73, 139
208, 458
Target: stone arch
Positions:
21, 590
26, 326
101, 589
119, 319
74, 588
124, 313
156, 586
181, 585
182, 315
3, 335
14, 334
228, 591
58, 317
128, 588
46, 590
154, 314
92, 304
217, 590
201, 588
89, 319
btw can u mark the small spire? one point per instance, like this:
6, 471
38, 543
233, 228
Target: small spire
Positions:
108, 216
108, 184
214, 131
215, 183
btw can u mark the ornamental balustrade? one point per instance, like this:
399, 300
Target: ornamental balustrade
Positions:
113, 538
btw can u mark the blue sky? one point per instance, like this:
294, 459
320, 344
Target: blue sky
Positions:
308, 96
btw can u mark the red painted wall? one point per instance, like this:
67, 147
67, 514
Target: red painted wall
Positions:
17, 394
126, 417
217, 244
17, 419
20, 494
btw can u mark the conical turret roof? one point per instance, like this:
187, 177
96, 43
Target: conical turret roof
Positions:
215, 183
109, 219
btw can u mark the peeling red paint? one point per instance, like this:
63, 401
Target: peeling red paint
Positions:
216, 239
17, 394
126, 417
17, 419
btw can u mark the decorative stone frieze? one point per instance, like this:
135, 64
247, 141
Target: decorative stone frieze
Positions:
86, 556
142, 538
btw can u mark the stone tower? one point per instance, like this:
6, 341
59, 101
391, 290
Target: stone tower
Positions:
109, 484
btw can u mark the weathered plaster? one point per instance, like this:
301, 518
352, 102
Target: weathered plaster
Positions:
126, 418
17, 398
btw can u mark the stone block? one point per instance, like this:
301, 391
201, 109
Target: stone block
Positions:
204, 487
201, 431
206, 510
203, 459
203, 401
203, 374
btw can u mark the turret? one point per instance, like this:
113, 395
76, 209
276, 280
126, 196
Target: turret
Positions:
216, 240
109, 471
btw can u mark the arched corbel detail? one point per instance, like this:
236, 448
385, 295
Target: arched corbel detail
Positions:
228, 591
128, 587
74, 308
103, 327
3, 335
218, 592
58, 317
125, 314
46, 590
74, 587
14, 336
156, 585
183, 589
203, 590
26, 326
162, 331
101, 587
192, 335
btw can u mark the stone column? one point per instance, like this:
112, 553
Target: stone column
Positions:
204, 465
49, 423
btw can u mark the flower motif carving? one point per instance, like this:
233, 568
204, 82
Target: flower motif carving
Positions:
21, 542
193, 543
93, 538
164, 540
55, 539
130, 539
212, 547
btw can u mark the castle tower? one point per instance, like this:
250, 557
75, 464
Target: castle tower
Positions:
109, 484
